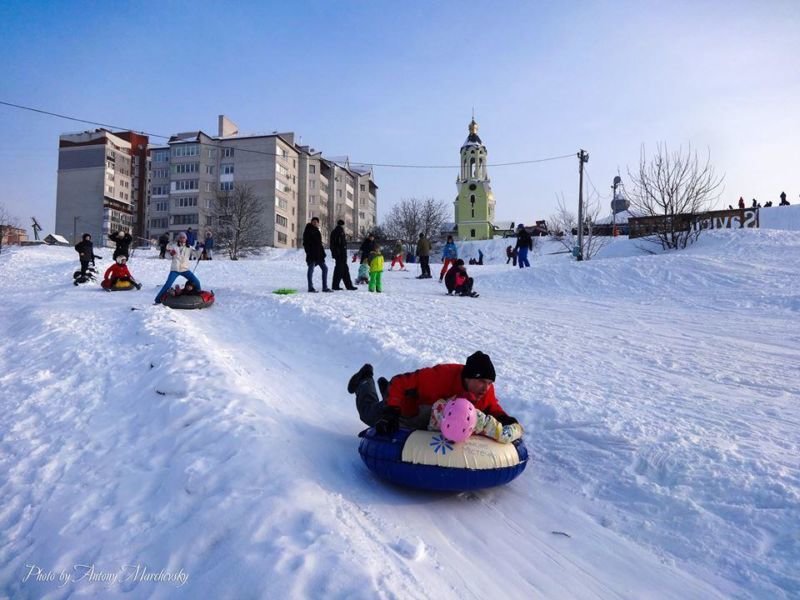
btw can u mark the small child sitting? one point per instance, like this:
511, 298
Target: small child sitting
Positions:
363, 272
485, 424
118, 271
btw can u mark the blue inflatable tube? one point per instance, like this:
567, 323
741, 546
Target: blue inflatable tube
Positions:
426, 460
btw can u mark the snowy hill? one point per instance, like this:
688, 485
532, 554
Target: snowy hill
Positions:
217, 449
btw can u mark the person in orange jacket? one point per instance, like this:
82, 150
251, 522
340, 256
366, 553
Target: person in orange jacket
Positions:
118, 271
408, 397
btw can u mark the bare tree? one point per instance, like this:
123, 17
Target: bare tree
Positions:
412, 216
7, 222
238, 217
564, 227
674, 186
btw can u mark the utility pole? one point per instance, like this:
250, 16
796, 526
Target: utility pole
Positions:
583, 157
75, 229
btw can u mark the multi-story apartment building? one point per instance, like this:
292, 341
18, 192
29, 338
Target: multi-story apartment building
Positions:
366, 209
102, 184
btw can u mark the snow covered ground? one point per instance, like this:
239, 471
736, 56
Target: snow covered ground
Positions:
215, 451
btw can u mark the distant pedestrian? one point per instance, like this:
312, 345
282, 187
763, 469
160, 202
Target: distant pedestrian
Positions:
511, 254
449, 256
191, 237
315, 254
397, 255
424, 253
367, 246
86, 256
784, 201
163, 241
741, 202
524, 243
375, 269
208, 246
338, 246
123, 240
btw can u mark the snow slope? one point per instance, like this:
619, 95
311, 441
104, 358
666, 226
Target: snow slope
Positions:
217, 449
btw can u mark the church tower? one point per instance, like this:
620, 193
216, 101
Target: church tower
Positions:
474, 206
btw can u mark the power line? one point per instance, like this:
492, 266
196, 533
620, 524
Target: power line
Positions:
218, 145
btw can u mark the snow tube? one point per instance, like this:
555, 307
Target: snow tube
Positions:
426, 460
119, 286
188, 301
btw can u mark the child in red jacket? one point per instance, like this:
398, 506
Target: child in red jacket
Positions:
118, 271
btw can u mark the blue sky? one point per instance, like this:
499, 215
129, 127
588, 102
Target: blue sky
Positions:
392, 82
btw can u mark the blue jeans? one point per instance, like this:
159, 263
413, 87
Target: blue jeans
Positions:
522, 258
173, 275
310, 274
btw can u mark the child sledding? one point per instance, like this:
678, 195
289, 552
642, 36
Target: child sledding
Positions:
117, 277
458, 282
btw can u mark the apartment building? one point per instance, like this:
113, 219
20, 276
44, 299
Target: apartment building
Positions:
292, 182
102, 184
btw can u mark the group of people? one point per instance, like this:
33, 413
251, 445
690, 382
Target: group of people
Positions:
370, 271
180, 252
757, 204
203, 250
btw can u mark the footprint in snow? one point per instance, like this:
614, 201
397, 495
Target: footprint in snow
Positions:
413, 549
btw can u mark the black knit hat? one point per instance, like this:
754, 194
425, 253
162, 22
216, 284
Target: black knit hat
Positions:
340, 222
478, 366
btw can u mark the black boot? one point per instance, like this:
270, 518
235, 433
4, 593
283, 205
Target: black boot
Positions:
363, 373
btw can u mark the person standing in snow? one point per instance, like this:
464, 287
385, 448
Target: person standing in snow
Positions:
163, 242
424, 254
367, 246
315, 254
741, 202
397, 255
86, 255
123, 240
408, 398
524, 243
338, 246
375, 269
449, 256
180, 253
208, 246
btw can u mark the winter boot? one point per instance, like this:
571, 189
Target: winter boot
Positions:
363, 373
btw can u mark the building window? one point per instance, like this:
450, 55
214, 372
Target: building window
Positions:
349, 195
338, 193
160, 190
185, 219
282, 238
312, 168
226, 169
227, 153
281, 220
161, 207
185, 150
209, 169
161, 156
212, 153
471, 233
284, 204
160, 173
186, 184
186, 168
184, 202
226, 186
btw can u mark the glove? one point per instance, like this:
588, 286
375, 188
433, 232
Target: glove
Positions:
505, 419
389, 421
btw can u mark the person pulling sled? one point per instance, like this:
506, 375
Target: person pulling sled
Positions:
86, 255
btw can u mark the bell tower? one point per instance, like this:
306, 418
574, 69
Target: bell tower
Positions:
474, 205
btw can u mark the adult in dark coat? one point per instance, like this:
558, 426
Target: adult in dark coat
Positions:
315, 254
338, 245
163, 241
424, 253
123, 241
524, 243
367, 246
85, 250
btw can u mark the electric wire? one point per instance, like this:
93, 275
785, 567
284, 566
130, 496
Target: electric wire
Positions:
253, 151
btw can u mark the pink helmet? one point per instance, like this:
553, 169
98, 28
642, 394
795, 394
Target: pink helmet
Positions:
459, 420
